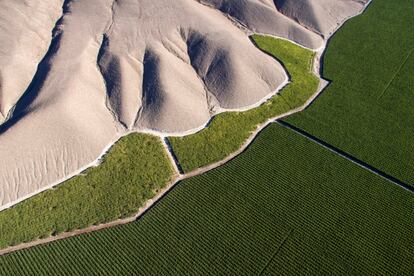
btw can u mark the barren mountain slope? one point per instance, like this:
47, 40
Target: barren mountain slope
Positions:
25, 28
125, 63
263, 17
184, 60
320, 16
119, 65
305, 22
61, 123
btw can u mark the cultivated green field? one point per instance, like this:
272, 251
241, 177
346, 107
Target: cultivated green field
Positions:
285, 206
228, 131
130, 174
368, 111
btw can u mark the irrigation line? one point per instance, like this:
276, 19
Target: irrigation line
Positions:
171, 155
276, 252
346, 156
396, 73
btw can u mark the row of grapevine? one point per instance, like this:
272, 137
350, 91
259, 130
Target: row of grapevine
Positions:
285, 206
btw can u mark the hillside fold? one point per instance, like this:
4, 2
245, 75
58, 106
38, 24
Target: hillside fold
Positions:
77, 75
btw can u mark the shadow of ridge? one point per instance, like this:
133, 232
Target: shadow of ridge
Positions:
272, 56
21, 107
152, 87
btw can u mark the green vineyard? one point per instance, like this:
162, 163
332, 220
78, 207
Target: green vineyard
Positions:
367, 111
285, 206
117, 188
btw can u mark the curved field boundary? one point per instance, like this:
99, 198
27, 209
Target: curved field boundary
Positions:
228, 131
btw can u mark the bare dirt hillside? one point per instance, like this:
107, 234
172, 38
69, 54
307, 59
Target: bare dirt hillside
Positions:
75, 75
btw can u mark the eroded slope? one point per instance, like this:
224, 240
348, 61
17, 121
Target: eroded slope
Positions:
119, 65
170, 70
25, 28
320, 16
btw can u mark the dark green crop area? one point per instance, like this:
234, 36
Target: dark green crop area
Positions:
130, 174
286, 206
368, 110
228, 131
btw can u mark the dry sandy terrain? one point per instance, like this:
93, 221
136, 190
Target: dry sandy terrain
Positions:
76, 75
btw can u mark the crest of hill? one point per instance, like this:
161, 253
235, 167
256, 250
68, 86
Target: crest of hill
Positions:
306, 22
25, 28
320, 16
169, 71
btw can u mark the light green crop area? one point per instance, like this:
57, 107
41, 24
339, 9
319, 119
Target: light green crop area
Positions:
228, 131
130, 174
286, 206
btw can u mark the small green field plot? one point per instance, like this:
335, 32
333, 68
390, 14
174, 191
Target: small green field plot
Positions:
285, 206
130, 174
228, 131
368, 111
